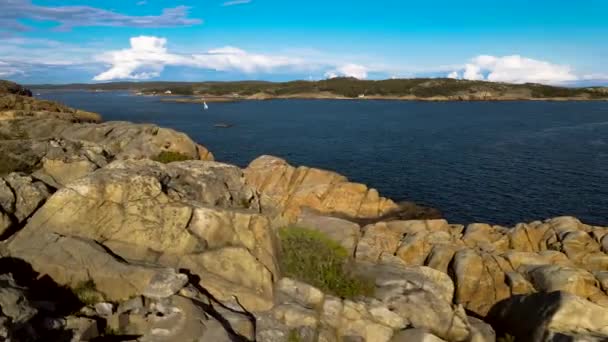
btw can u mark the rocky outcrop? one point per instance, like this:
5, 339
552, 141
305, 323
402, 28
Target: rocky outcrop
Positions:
286, 190
29, 316
490, 264
198, 216
17, 106
551, 316
487, 270
8, 87
189, 250
37, 310
56, 162
20, 196
119, 139
15, 309
405, 298
65, 143
345, 232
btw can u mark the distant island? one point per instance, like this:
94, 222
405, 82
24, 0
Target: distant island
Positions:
420, 89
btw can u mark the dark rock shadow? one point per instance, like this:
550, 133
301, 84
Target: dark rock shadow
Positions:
50, 299
194, 280
41, 288
405, 211
523, 316
117, 338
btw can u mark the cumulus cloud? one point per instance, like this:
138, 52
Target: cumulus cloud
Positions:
330, 75
348, 70
515, 69
148, 56
454, 74
72, 16
236, 2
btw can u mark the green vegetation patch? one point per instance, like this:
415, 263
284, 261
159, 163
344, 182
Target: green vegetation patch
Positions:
166, 157
175, 90
545, 91
313, 258
86, 292
294, 336
350, 87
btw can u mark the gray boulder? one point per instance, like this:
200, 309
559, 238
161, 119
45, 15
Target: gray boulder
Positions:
20, 197
346, 233
13, 301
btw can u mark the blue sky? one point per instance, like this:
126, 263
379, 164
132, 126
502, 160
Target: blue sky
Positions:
59, 41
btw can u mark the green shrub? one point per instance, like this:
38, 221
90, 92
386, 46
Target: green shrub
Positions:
86, 292
312, 257
294, 336
166, 157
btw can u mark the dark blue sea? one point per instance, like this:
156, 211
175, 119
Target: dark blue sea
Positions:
496, 162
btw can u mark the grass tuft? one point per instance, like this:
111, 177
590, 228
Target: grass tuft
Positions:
86, 292
166, 157
312, 257
294, 336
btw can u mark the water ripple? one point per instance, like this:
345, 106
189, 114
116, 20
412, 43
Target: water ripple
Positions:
501, 163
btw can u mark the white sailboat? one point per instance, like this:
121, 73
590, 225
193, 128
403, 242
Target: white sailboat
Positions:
205, 107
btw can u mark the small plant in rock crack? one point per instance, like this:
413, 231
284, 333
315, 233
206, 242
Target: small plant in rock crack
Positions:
166, 157
86, 292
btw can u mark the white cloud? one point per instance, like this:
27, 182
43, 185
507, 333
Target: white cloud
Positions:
148, 56
7, 69
330, 75
13, 11
236, 2
348, 70
473, 72
24, 53
515, 69
598, 76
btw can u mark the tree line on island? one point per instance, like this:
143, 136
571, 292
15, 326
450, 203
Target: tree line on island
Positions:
353, 88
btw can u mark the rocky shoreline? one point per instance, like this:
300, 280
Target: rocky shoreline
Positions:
132, 232
415, 89
460, 98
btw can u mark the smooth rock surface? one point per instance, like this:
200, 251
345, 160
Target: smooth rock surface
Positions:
346, 233
286, 190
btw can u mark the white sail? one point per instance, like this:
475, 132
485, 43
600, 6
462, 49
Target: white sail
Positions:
205, 105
